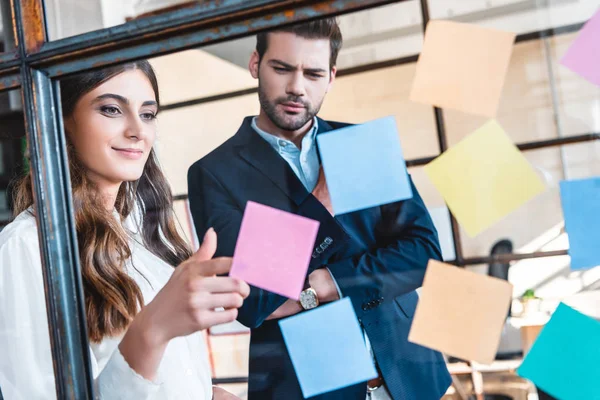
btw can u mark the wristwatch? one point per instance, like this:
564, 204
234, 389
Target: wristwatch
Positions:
308, 297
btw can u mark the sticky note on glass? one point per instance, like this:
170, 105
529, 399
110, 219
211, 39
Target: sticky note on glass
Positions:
581, 209
462, 67
461, 313
583, 57
327, 348
565, 357
483, 178
364, 166
273, 249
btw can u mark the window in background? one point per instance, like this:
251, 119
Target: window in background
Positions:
359, 98
578, 100
519, 16
65, 18
524, 225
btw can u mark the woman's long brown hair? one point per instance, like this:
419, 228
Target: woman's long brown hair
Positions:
112, 297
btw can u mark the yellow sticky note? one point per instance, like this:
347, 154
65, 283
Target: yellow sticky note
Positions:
483, 178
461, 313
462, 67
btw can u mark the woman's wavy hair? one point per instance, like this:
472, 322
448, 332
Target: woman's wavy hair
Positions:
112, 297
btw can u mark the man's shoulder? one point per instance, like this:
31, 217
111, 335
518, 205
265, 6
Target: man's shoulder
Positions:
333, 125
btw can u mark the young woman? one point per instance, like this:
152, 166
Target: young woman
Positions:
144, 316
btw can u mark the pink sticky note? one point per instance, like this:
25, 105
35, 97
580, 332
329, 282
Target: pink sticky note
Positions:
583, 57
273, 249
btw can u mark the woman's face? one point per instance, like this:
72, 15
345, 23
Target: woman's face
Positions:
113, 128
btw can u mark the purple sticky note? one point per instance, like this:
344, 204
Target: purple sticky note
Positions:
583, 57
273, 249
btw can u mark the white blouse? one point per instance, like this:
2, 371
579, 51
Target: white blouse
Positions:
25, 359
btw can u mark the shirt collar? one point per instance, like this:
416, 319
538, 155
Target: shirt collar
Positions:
277, 143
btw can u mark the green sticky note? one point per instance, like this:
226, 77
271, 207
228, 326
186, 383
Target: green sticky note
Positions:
565, 359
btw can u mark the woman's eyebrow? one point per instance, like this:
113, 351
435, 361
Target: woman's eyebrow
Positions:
122, 99
117, 97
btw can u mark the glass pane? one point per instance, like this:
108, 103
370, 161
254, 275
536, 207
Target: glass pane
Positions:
582, 160
67, 18
375, 94
12, 148
525, 111
188, 134
530, 107
7, 40
514, 15
527, 227
579, 99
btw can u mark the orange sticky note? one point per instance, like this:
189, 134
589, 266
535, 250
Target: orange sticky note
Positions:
462, 67
461, 313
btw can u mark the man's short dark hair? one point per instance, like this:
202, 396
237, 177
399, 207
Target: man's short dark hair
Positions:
326, 28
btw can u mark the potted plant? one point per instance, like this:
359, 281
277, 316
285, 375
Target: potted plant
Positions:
530, 302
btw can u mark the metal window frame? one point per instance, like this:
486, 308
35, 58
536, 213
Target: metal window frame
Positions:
35, 66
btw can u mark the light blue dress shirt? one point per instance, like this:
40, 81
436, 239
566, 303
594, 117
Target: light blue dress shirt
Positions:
304, 161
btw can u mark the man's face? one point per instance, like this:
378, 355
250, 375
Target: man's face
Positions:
293, 78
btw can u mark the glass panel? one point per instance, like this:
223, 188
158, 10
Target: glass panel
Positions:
528, 111
73, 17
525, 111
579, 99
514, 15
582, 160
188, 134
12, 147
529, 226
369, 95
7, 40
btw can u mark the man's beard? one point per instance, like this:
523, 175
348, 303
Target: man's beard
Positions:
283, 120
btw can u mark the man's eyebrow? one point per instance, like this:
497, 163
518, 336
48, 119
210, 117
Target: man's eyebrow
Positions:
293, 68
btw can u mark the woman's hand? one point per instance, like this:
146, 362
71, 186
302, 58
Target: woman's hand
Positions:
188, 301
186, 304
222, 394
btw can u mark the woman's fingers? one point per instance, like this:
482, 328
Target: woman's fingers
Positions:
224, 300
224, 284
213, 318
216, 266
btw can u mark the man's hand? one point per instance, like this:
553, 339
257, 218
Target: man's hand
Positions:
222, 394
322, 282
321, 192
289, 308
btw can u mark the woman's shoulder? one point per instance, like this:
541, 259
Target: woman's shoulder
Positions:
22, 229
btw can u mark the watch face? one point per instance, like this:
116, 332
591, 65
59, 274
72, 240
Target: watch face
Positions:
308, 299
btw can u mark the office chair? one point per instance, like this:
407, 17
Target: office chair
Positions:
510, 346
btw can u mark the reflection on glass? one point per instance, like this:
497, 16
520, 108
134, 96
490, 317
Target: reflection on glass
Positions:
12, 144
7, 42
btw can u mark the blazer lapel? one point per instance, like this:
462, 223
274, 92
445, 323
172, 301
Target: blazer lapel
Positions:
257, 152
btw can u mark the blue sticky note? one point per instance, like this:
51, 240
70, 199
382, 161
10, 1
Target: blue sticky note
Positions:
364, 166
327, 348
564, 360
581, 210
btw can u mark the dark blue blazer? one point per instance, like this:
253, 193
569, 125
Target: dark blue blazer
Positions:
378, 257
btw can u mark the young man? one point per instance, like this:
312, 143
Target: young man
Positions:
376, 257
